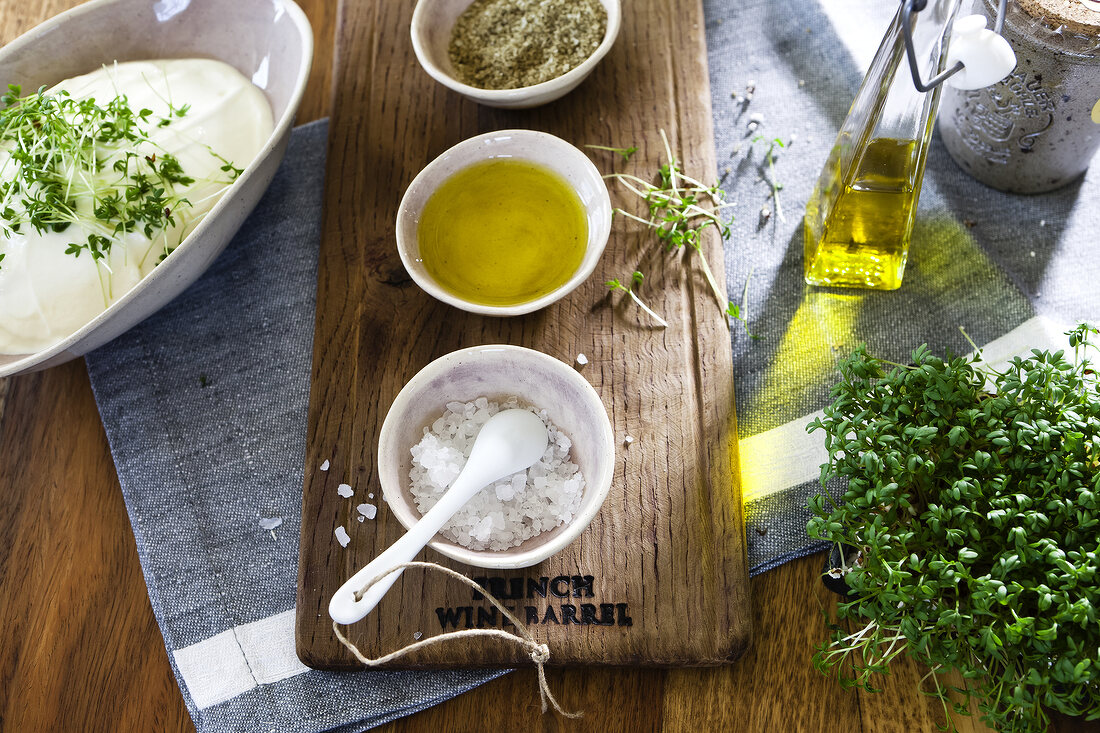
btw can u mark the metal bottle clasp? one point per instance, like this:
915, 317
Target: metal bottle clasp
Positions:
908, 7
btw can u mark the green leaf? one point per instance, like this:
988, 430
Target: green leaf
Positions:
66, 152
976, 516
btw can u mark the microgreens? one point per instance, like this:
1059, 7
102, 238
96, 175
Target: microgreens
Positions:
771, 178
636, 279
624, 152
75, 162
680, 208
973, 504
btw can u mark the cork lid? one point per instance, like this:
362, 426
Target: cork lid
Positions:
1078, 16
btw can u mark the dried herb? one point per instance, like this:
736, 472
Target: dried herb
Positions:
508, 44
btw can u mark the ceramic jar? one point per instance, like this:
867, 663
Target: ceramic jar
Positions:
1037, 129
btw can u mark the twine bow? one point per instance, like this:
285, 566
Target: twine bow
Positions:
539, 653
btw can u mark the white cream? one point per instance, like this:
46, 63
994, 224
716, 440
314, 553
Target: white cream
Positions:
46, 294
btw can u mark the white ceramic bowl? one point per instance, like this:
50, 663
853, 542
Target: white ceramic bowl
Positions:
499, 372
269, 41
536, 147
432, 23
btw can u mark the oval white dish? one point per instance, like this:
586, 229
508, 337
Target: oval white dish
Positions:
269, 41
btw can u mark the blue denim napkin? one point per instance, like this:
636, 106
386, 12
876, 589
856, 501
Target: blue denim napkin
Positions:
205, 409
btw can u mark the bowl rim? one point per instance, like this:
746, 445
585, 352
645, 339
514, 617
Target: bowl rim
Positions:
597, 240
567, 80
281, 127
600, 483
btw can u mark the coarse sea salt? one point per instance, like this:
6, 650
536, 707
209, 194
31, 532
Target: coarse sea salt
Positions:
324, 466
344, 490
513, 509
342, 536
270, 522
367, 510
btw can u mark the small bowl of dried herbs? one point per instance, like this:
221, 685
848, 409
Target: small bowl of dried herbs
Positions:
513, 53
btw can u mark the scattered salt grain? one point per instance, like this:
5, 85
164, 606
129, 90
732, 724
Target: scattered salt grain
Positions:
417, 635
1042, 222
360, 518
270, 522
342, 536
513, 509
324, 466
628, 440
344, 490
370, 496
367, 510
582, 359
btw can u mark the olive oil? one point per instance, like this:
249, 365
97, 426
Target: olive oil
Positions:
503, 232
858, 226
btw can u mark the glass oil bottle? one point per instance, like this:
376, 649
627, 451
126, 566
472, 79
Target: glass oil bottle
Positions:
860, 216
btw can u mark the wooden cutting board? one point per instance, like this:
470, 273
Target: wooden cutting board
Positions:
660, 576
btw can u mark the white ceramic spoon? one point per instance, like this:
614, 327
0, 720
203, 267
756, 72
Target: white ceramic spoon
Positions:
510, 441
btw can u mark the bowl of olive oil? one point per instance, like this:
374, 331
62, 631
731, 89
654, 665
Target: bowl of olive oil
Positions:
504, 223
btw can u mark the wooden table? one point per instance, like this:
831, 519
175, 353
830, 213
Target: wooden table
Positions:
80, 650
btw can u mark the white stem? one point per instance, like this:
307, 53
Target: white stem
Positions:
627, 214
673, 173
647, 309
700, 211
642, 194
710, 279
775, 186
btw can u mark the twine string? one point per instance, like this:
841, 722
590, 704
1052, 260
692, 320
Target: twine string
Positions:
539, 653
